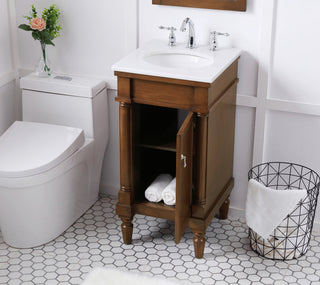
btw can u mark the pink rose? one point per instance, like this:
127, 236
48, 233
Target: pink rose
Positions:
38, 24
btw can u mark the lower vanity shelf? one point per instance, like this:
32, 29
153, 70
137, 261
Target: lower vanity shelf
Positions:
192, 142
157, 210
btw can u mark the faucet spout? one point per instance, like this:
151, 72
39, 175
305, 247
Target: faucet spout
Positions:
191, 39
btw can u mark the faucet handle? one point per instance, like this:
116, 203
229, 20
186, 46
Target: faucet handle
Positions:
221, 34
167, 28
213, 39
172, 38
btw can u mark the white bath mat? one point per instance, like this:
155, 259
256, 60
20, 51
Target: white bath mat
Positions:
108, 276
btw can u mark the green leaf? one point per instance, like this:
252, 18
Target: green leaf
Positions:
35, 35
25, 27
51, 16
34, 11
45, 35
49, 42
46, 38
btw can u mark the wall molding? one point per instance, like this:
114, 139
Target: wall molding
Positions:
279, 105
131, 31
13, 35
246, 100
293, 107
265, 60
11, 75
109, 190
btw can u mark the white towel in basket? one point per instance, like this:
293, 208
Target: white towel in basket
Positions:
289, 239
169, 193
267, 207
154, 191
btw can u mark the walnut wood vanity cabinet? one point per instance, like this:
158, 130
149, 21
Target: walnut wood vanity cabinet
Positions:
181, 127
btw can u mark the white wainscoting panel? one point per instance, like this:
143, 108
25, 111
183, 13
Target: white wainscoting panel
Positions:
295, 67
245, 118
294, 138
5, 40
9, 101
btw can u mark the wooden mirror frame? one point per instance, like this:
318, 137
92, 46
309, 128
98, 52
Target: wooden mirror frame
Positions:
234, 5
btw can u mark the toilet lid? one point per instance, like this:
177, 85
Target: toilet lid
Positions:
28, 148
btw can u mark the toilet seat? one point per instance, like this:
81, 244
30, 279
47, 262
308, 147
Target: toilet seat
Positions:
29, 148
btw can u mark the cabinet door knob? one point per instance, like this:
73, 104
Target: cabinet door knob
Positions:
184, 158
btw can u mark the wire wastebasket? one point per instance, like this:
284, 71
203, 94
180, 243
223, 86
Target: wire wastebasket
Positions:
291, 238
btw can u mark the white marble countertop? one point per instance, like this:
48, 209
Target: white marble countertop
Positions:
219, 60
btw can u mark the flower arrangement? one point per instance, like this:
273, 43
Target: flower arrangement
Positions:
44, 29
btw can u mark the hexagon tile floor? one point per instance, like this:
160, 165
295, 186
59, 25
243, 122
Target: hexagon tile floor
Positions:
95, 241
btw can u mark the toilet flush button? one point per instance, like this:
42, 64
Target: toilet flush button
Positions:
60, 77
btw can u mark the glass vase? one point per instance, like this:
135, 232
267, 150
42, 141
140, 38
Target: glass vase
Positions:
43, 68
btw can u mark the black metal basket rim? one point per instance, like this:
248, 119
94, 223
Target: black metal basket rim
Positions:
289, 163
286, 162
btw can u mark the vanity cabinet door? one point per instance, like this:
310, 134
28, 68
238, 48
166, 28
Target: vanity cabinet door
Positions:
183, 176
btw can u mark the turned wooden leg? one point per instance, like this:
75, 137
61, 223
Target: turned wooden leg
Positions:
198, 243
223, 212
127, 228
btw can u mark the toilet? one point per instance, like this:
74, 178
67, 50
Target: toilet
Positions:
50, 163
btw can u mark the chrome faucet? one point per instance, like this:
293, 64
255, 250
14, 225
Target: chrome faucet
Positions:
192, 38
213, 39
172, 38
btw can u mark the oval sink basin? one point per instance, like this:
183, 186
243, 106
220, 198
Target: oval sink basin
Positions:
178, 60
158, 59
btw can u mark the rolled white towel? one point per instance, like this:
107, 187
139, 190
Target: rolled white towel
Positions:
153, 192
169, 193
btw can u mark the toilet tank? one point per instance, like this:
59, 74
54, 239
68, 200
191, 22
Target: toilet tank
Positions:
69, 101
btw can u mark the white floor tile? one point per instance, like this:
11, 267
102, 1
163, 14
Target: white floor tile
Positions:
95, 241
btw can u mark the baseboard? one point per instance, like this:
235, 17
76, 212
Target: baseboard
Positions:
316, 227
109, 190
240, 213
236, 213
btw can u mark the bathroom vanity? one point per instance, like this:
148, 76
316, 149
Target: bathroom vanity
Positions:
180, 120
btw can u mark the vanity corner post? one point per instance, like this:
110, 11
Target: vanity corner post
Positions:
198, 228
125, 205
199, 244
127, 229
200, 165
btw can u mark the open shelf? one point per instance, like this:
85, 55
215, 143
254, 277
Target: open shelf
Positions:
160, 143
158, 210
155, 127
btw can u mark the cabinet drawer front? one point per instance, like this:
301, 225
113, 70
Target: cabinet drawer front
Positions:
168, 95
